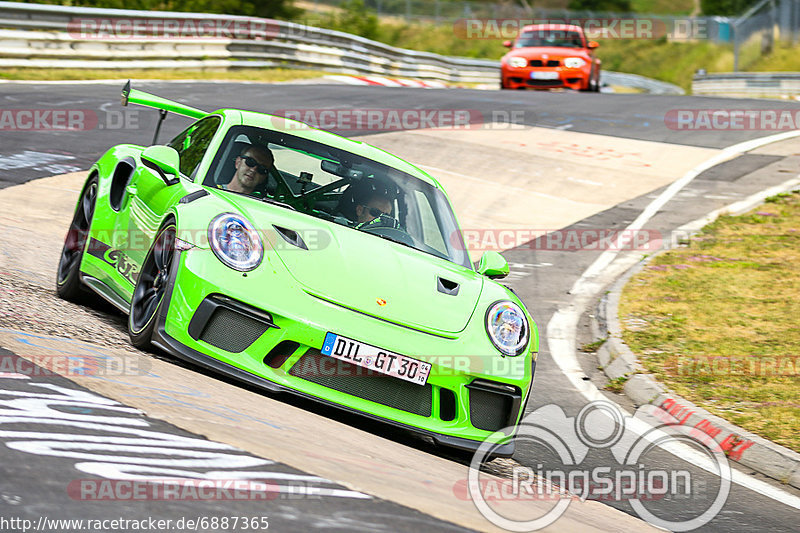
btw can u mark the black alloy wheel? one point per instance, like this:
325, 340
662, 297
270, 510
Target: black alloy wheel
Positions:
151, 286
68, 281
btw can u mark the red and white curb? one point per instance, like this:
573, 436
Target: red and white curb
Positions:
387, 82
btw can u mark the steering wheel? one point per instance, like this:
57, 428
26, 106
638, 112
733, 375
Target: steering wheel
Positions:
389, 227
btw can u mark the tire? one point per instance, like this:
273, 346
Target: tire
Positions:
68, 279
151, 286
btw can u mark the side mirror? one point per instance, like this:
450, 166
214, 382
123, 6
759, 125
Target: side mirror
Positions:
493, 265
164, 161
507, 44
592, 45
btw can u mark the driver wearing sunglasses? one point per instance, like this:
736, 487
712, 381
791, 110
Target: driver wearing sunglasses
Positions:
372, 205
252, 168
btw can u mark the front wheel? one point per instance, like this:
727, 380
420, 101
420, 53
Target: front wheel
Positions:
68, 279
151, 286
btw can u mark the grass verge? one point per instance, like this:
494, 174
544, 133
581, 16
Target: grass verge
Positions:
717, 321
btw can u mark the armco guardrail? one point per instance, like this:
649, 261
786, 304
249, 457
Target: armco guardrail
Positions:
45, 36
38, 36
640, 82
748, 84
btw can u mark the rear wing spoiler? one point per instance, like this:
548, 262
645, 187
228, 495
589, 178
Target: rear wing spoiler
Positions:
135, 96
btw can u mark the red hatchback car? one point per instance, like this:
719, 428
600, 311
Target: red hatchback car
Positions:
546, 56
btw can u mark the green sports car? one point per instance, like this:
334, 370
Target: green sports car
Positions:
300, 261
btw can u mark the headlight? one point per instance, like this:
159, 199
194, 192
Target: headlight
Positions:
574, 62
507, 327
518, 62
235, 242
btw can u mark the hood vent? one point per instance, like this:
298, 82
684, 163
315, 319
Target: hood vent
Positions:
291, 236
445, 286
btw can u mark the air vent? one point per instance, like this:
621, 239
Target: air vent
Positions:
280, 353
291, 236
447, 405
492, 405
228, 324
192, 196
445, 286
122, 174
364, 383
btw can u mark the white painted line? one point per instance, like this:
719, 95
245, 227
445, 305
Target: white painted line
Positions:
562, 326
12, 375
728, 153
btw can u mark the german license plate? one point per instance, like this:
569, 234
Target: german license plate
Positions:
544, 75
377, 359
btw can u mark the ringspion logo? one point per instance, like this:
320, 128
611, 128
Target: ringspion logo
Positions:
632, 470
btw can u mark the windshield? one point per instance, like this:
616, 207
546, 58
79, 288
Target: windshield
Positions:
561, 38
338, 186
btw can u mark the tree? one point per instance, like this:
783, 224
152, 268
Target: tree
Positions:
613, 6
280, 9
725, 7
354, 18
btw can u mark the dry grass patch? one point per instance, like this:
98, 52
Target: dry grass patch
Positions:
719, 320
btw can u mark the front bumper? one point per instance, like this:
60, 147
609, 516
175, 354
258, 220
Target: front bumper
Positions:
466, 399
570, 78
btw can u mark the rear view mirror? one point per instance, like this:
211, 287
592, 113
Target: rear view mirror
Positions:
507, 44
337, 169
592, 45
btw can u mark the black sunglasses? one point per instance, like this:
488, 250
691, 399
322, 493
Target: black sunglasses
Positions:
375, 212
251, 162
